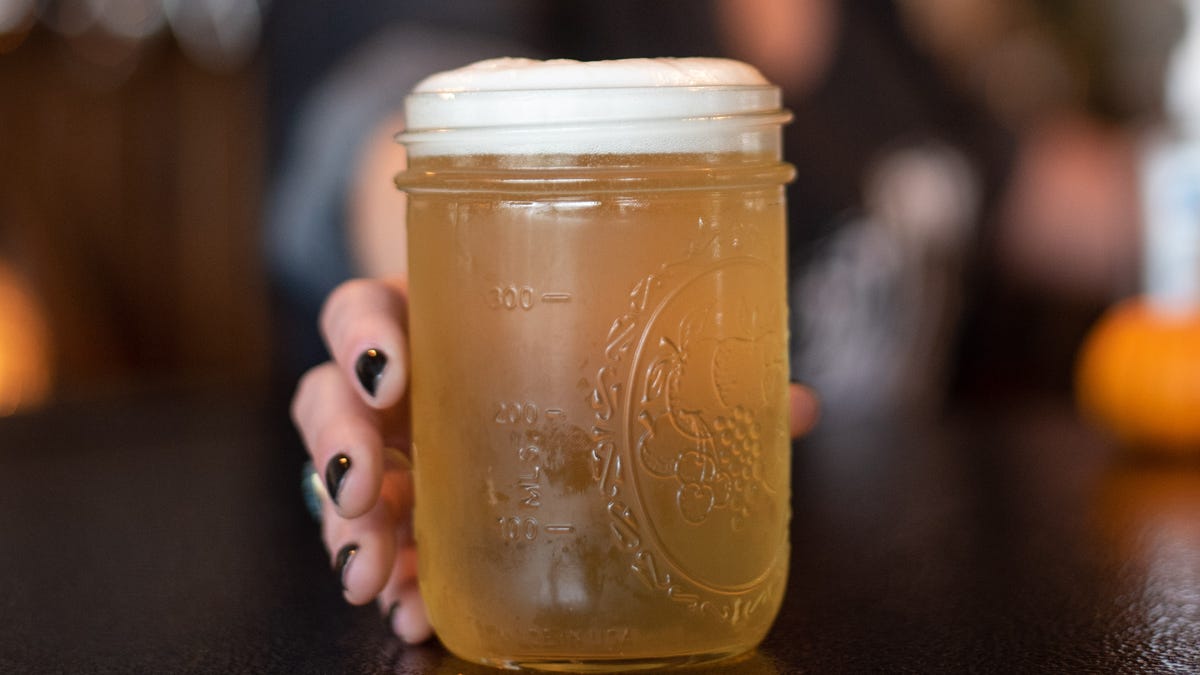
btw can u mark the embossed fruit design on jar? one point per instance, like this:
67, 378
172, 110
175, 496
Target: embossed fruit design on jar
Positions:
599, 360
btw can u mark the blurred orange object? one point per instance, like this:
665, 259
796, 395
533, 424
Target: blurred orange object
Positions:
25, 370
1139, 376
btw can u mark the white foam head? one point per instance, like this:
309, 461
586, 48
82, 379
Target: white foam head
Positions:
521, 106
506, 74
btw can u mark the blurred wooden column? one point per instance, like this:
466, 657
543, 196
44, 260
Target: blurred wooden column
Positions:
133, 205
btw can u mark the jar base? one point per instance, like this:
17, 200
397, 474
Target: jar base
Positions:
604, 664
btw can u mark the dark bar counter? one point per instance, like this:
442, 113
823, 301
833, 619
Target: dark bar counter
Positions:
163, 532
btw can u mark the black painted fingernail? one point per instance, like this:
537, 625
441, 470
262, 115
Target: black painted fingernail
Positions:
342, 559
335, 472
391, 613
369, 369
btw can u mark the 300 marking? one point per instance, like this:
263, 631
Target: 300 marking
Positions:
510, 297
514, 296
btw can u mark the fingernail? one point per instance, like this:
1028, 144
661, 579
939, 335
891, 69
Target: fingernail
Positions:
391, 613
369, 369
344, 555
335, 472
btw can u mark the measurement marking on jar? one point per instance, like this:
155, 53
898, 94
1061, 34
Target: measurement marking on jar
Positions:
521, 297
527, 528
554, 412
516, 412
515, 528
510, 296
533, 489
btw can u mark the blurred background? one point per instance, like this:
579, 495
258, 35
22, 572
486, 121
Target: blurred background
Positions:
176, 188
132, 134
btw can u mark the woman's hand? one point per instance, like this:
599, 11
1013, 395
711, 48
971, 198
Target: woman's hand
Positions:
352, 413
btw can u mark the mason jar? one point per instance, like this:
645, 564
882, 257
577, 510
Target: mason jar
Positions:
598, 335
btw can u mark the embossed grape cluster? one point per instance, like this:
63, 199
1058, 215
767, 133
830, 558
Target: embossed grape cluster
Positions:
724, 473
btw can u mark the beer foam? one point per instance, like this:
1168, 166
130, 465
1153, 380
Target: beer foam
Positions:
524, 106
506, 74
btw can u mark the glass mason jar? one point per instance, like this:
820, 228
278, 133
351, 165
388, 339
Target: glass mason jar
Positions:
598, 334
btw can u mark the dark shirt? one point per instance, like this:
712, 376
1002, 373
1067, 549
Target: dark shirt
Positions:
879, 94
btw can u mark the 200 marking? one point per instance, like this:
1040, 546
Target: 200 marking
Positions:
514, 412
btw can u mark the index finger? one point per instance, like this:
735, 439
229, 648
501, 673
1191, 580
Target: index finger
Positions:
364, 323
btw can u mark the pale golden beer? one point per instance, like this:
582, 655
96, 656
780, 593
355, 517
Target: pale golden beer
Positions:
599, 391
